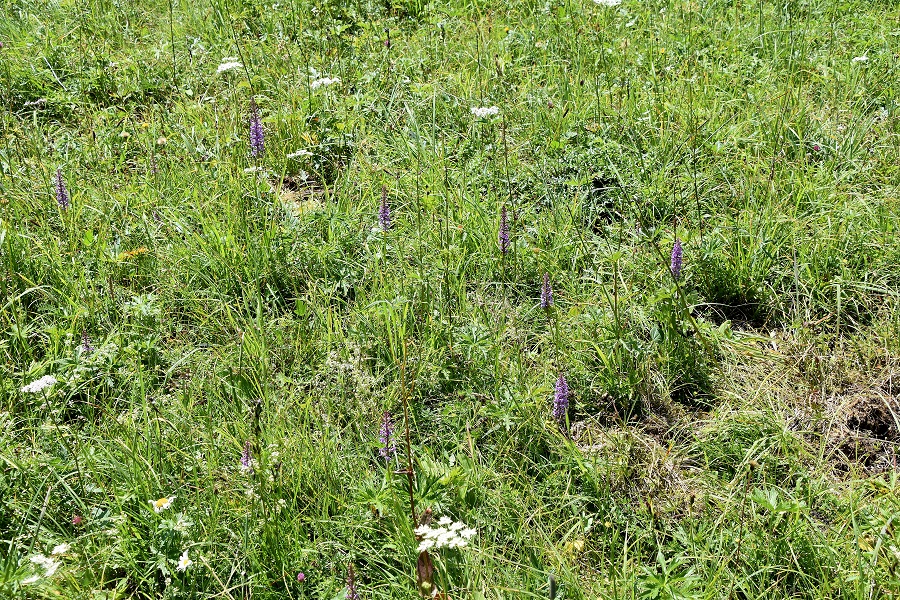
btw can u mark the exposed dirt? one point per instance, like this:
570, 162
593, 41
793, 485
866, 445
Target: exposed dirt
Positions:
299, 193
867, 428
848, 405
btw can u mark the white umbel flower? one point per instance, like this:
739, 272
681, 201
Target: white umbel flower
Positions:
447, 534
256, 169
48, 564
425, 545
228, 66
60, 549
324, 82
184, 562
482, 112
39, 385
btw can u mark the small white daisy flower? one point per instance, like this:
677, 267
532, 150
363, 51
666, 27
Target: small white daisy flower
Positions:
184, 562
39, 385
161, 504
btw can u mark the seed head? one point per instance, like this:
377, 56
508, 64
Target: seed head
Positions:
503, 235
62, 194
546, 293
675, 262
257, 144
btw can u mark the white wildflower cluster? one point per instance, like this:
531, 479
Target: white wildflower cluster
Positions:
60, 549
860, 59
45, 562
229, 63
447, 534
609, 3
39, 385
256, 169
348, 365
323, 82
300, 154
482, 112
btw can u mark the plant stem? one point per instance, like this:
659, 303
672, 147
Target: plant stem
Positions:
410, 474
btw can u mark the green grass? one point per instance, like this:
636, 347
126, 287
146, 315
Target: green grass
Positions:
732, 433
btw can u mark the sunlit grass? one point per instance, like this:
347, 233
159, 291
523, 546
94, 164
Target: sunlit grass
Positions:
228, 321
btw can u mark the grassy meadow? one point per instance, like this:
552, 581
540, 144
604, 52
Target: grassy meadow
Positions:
369, 299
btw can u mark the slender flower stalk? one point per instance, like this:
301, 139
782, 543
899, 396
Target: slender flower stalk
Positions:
86, 347
503, 235
62, 194
546, 293
257, 144
384, 211
246, 458
561, 399
675, 261
386, 437
352, 593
